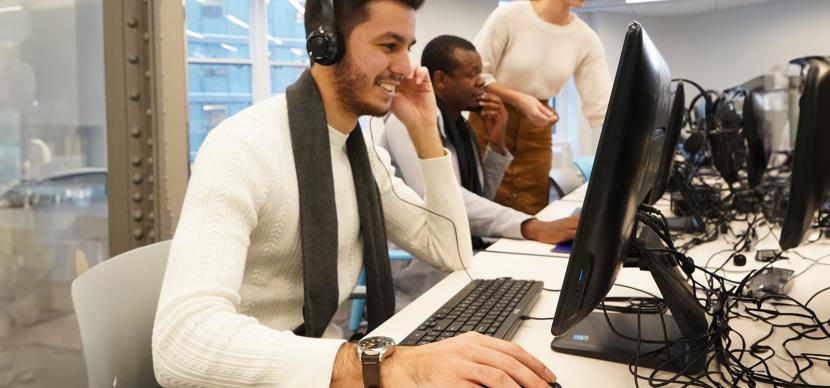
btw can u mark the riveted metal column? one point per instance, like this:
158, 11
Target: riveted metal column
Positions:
140, 207
171, 149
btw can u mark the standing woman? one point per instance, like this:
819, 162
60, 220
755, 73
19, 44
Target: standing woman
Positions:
529, 49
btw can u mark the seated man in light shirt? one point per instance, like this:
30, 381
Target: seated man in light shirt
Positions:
286, 203
455, 69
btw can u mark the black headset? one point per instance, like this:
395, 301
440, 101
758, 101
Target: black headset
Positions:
699, 136
324, 44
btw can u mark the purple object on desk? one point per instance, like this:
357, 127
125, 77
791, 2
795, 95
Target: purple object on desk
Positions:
563, 247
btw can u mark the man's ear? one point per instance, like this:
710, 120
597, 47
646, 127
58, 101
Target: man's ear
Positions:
439, 80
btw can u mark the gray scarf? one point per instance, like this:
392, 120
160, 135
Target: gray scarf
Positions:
318, 214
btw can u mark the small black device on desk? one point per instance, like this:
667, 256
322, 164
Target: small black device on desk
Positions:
767, 255
771, 281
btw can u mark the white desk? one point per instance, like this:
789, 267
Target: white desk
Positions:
574, 371
558, 209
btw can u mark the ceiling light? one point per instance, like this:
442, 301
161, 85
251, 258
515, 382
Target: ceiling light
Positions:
228, 47
240, 23
194, 34
275, 39
12, 8
298, 6
641, 1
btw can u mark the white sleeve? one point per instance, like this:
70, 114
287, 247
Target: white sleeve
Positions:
435, 228
491, 42
486, 218
593, 81
490, 219
493, 165
396, 141
199, 336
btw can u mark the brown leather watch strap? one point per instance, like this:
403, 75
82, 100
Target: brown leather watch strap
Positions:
371, 370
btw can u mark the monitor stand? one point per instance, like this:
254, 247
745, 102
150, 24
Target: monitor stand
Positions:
686, 224
592, 337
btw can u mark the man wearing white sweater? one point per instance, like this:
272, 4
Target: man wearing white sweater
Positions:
245, 275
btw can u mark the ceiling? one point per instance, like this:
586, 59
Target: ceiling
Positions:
666, 7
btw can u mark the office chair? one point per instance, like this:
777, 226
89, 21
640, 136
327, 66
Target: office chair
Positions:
115, 303
584, 164
564, 181
359, 294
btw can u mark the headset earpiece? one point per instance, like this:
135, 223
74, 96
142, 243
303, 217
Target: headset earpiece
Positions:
694, 143
323, 44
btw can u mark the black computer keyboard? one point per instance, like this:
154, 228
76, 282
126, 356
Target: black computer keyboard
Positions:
492, 307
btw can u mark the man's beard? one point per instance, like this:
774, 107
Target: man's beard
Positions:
349, 81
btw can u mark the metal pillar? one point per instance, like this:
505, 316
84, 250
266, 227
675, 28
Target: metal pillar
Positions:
146, 119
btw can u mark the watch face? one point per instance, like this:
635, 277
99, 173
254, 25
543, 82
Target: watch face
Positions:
375, 345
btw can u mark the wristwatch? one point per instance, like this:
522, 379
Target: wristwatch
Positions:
372, 351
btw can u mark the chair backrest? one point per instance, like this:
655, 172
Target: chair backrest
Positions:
115, 303
565, 180
584, 164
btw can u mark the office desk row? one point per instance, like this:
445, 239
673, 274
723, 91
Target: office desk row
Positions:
533, 260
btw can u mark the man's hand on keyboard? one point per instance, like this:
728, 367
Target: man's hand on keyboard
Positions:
550, 232
467, 360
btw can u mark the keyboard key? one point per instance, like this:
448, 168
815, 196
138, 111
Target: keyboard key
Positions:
455, 326
442, 324
416, 335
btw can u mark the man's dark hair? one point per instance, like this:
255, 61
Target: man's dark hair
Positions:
347, 14
438, 53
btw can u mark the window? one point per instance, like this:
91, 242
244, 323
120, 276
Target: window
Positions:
53, 204
239, 53
286, 42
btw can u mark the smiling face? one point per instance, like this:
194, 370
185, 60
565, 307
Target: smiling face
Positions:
376, 59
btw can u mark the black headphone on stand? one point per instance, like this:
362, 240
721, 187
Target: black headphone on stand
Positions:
699, 136
324, 44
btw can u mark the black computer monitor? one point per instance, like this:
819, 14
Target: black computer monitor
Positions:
811, 157
758, 153
616, 189
630, 147
669, 148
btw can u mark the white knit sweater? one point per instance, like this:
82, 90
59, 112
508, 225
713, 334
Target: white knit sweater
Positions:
233, 289
525, 53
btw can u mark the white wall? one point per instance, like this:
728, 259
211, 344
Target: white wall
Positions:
716, 49
449, 17
726, 48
